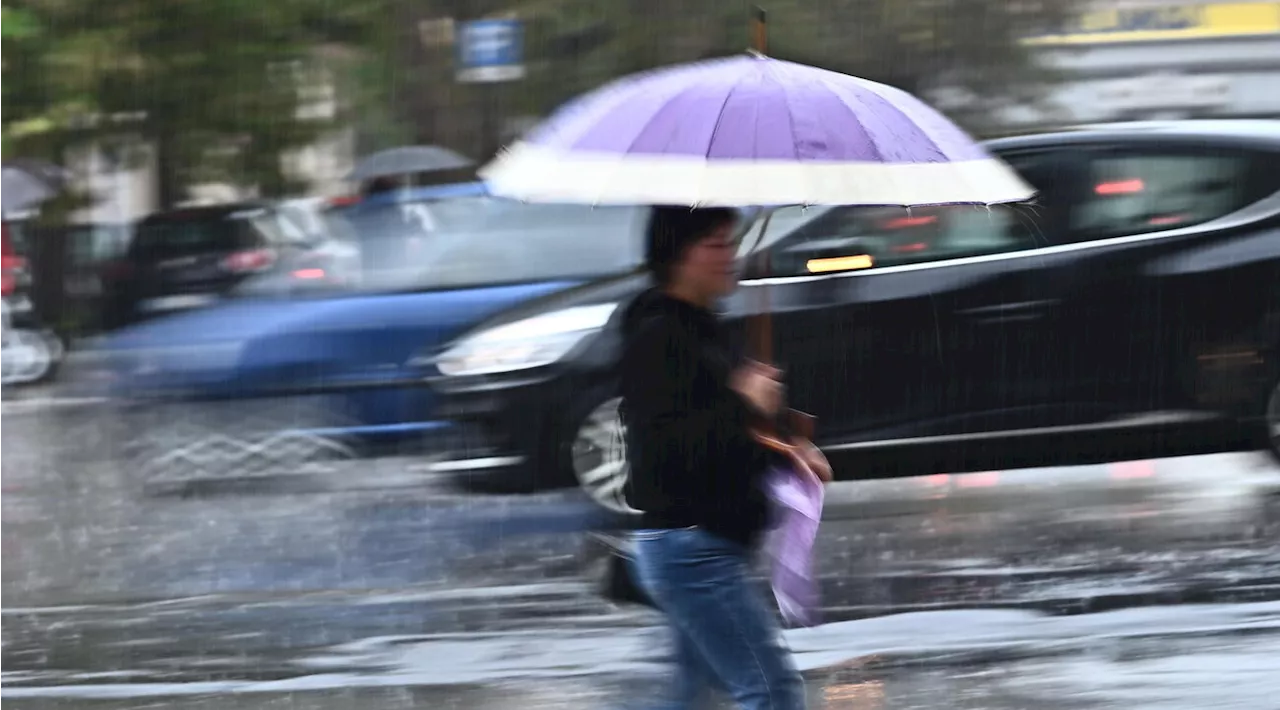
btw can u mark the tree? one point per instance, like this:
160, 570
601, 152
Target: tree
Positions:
28, 110
213, 88
970, 46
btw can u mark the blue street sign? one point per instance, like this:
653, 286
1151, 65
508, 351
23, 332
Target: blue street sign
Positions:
490, 50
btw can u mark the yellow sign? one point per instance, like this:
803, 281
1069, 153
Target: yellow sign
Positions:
1239, 19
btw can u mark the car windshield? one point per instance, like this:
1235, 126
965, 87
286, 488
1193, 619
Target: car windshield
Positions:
481, 241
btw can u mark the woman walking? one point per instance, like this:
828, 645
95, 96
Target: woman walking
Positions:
696, 472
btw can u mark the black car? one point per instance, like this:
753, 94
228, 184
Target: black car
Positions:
191, 257
1132, 311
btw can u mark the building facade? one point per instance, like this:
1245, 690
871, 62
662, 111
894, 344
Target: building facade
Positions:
124, 188
1147, 59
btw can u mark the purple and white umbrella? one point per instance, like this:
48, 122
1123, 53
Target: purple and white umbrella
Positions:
747, 131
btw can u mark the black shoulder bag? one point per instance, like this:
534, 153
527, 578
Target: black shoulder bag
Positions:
620, 585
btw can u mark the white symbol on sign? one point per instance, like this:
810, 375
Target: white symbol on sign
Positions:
490, 51
488, 44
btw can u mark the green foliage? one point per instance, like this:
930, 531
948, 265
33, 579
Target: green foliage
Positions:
18, 24
25, 111
213, 87
912, 44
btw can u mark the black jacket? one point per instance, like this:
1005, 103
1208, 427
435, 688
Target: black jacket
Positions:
693, 461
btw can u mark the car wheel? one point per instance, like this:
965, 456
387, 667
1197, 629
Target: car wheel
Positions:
28, 357
1272, 420
54, 351
598, 456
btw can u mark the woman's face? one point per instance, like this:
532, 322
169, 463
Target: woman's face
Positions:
709, 265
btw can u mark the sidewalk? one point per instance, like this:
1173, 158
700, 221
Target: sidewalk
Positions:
1219, 656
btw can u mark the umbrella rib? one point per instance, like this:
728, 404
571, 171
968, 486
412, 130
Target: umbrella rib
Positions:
612, 95
835, 91
674, 95
791, 128
791, 121
876, 90
711, 140
634, 143
873, 88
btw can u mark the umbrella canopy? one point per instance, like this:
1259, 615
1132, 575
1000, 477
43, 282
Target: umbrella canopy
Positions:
407, 160
56, 176
27, 183
751, 130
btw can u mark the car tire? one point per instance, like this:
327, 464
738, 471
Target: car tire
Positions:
56, 351
595, 452
32, 356
1271, 420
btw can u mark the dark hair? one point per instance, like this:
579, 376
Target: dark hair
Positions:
672, 230
380, 185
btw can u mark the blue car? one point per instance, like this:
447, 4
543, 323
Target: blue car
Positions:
278, 382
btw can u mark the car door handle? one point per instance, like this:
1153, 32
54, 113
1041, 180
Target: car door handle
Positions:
1020, 311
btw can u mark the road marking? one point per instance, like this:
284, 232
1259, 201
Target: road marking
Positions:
34, 404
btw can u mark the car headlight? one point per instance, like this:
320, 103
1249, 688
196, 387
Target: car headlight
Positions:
525, 344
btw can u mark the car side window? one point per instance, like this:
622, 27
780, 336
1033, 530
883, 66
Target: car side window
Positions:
806, 241
269, 229
1138, 192
80, 246
291, 226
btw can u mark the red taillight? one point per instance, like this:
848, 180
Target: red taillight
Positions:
908, 248
1120, 187
309, 274
13, 270
904, 222
245, 261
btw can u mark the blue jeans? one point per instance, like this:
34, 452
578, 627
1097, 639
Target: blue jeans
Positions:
726, 636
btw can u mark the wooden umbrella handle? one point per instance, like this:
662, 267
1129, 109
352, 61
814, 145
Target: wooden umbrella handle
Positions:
802, 426
760, 323
759, 31
760, 336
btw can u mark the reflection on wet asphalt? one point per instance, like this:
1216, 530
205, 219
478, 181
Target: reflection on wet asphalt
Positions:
1001, 590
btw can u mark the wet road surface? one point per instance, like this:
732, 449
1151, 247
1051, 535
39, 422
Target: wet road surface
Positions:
1132, 585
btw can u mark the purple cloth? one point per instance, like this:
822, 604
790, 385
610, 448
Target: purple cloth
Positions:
756, 108
797, 500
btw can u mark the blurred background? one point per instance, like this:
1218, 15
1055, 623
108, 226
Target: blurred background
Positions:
297, 415
148, 106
